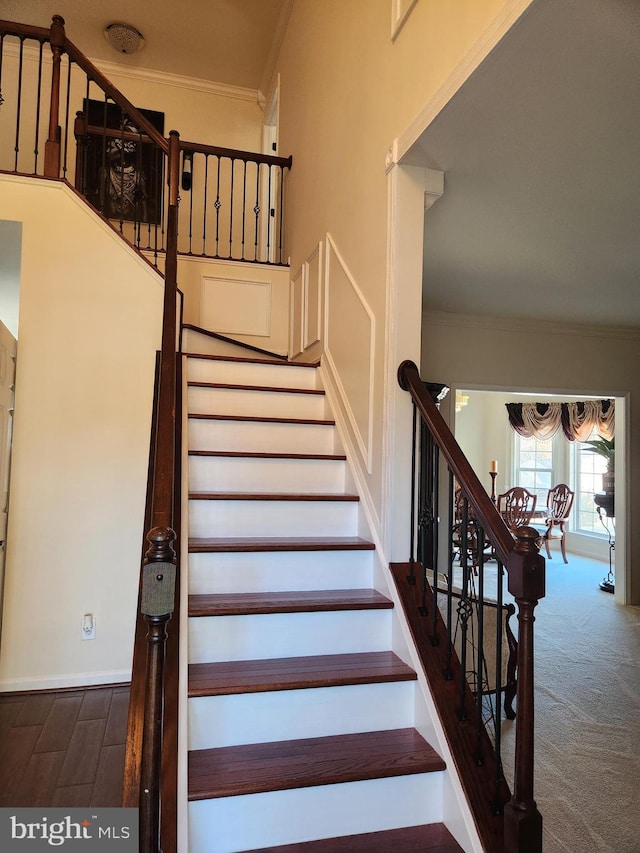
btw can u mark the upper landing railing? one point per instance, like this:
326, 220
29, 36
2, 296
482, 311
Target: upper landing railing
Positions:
62, 118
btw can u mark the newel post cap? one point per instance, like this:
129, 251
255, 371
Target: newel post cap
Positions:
526, 566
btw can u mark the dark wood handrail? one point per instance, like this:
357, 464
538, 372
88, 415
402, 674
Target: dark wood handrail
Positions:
234, 154
483, 509
10, 28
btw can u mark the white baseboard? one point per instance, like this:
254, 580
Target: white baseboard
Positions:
61, 682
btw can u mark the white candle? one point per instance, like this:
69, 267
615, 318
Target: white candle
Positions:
494, 466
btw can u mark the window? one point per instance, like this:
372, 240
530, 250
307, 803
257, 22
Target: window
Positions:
534, 466
589, 468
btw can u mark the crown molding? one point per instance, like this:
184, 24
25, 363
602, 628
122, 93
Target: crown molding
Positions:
194, 84
531, 326
148, 75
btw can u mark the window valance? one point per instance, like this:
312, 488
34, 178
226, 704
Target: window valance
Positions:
576, 420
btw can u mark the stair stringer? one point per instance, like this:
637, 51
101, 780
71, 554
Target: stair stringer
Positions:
457, 815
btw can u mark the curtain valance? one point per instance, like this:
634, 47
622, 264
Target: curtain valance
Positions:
576, 420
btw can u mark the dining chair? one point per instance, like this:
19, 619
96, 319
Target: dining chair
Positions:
516, 506
559, 503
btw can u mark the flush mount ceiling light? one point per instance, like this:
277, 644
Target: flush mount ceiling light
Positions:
124, 38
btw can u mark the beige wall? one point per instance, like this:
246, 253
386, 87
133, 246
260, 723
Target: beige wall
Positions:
198, 114
346, 93
88, 335
500, 355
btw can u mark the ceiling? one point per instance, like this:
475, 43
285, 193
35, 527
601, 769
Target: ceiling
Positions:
540, 216
224, 41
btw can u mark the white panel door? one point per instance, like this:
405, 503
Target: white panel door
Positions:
7, 375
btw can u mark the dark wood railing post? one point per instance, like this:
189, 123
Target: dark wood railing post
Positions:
157, 603
159, 571
52, 145
522, 820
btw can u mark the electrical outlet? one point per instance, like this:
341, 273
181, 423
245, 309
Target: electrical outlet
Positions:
88, 626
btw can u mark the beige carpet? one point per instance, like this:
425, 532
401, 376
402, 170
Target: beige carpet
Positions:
587, 658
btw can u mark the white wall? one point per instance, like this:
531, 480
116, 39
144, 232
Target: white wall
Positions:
551, 358
89, 330
347, 92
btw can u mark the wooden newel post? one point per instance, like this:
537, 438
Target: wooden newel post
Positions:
52, 146
157, 600
522, 820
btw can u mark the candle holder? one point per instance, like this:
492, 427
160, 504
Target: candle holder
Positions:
493, 475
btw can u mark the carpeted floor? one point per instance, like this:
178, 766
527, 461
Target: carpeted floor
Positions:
587, 659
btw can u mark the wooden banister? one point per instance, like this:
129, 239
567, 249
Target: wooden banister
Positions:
236, 154
483, 509
522, 830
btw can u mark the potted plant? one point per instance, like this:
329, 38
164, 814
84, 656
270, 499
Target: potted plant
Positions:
605, 447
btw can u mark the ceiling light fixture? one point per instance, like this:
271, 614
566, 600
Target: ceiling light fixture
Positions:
124, 38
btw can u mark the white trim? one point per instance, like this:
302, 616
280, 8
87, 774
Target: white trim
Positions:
293, 352
306, 336
196, 259
365, 444
337, 406
60, 682
400, 11
500, 25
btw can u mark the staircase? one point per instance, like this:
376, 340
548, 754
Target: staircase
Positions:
300, 717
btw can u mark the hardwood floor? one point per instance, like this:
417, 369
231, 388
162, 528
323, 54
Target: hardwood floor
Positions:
63, 748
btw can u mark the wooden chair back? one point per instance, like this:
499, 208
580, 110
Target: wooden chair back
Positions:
516, 506
559, 503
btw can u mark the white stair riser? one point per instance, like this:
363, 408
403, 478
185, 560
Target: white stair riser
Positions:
252, 821
288, 714
253, 474
248, 373
271, 404
274, 635
272, 518
278, 571
247, 436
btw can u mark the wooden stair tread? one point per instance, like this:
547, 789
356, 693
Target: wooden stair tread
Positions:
270, 496
245, 359
257, 454
282, 765
431, 838
244, 544
244, 603
296, 673
231, 386
262, 419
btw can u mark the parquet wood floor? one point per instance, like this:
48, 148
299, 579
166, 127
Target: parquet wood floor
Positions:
63, 748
